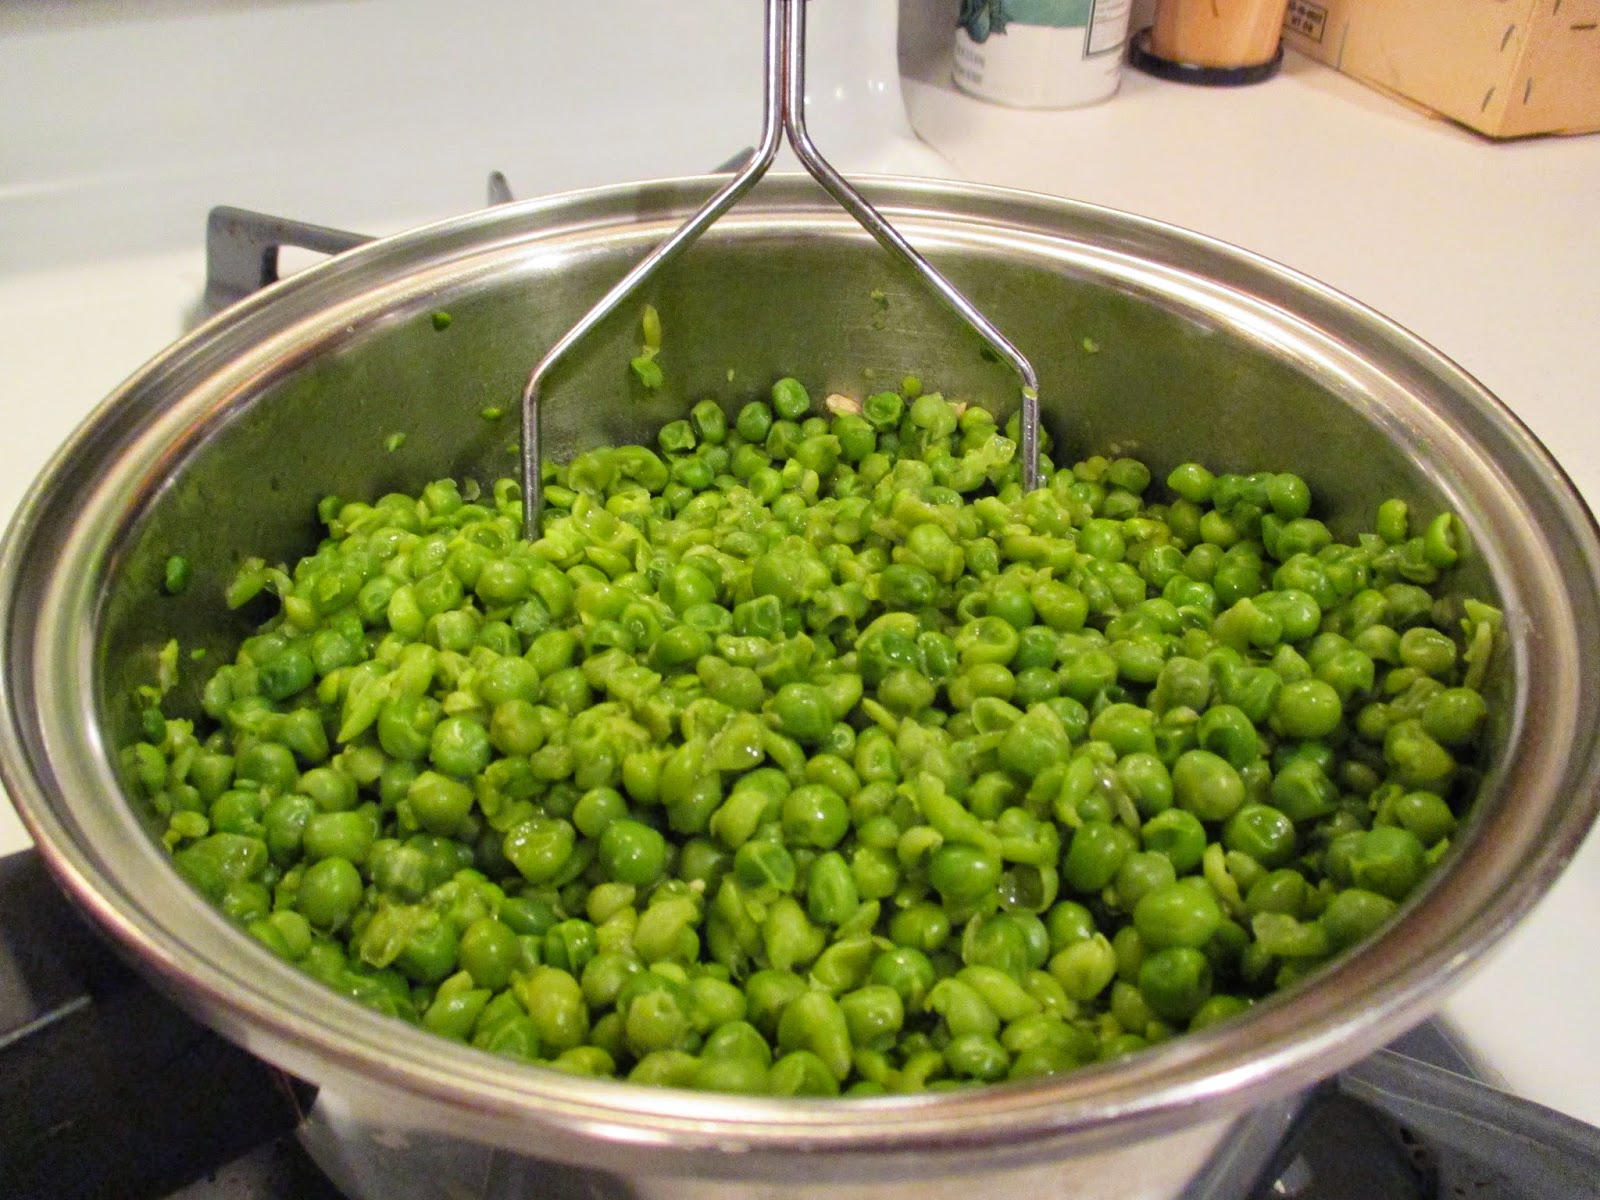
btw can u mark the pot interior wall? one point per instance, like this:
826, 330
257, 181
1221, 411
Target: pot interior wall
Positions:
1129, 362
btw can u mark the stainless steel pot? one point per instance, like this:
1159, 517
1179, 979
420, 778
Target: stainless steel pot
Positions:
1147, 339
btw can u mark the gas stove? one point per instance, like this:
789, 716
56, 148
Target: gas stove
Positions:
121, 131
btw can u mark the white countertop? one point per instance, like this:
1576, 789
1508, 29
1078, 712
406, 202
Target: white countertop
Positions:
1491, 252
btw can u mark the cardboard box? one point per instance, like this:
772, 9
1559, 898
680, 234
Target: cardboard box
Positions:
1506, 68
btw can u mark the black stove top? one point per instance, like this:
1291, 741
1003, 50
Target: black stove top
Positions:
110, 1091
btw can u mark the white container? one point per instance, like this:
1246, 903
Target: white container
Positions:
1041, 53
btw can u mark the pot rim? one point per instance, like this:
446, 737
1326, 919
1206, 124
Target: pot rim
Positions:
1346, 1010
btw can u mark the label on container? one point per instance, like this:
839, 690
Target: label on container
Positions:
1041, 53
1102, 23
1306, 19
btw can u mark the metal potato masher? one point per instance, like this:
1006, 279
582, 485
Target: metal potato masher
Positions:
783, 116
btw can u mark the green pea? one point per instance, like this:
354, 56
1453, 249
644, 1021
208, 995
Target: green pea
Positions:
791, 940
1059, 605
1093, 857
905, 970
554, 1002
765, 864
489, 951
1262, 832
304, 736
1183, 682
1427, 650
906, 692
331, 789
1035, 685
1454, 716
460, 746
1426, 816
883, 410
1175, 982
241, 812
1126, 728
857, 438
1389, 861
329, 892
997, 942
873, 1015
283, 824
923, 926
439, 803
1351, 673
1088, 673
347, 835
502, 581
1069, 922
736, 1040
980, 680
754, 422
269, 764
1228, 732
802, 1073
1013, 605
405, 726
1392, 521
740, 815
907, 586
987, 640
527, 915
539, 848
790, 400
1417, 760
767, 994
1177, 914
1442, 543
632, 852
831, 894
814, 1021
976, 1056
1289, 496
736, 1075
598, 809
1254, 690
709, 423
801, 711
553, 650
287, 673
1282, 891
1192, 482
656, 1021
963, 873
963, 1009
1140, 874
1033, 744
1302, 791
1206, 785
1084, 968
1355, 914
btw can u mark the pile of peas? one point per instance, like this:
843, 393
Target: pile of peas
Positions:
810, 755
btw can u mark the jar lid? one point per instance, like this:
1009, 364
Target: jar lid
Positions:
1140, 55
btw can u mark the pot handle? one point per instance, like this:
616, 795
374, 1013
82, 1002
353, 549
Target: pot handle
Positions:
242, 250
1544, 1152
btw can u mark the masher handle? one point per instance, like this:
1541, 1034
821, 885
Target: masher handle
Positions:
783, 116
